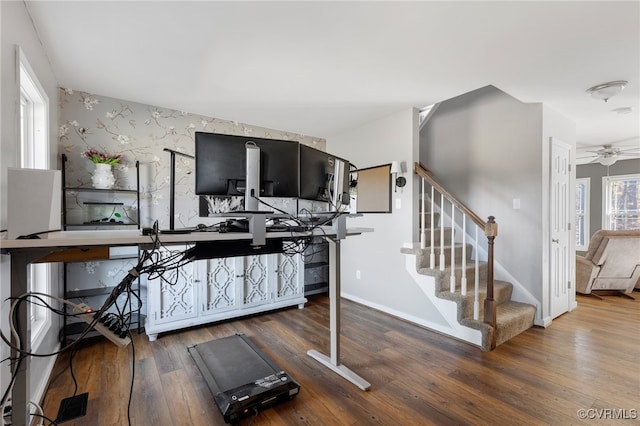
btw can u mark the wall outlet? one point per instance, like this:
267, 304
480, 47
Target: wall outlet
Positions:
357, 274
398, 203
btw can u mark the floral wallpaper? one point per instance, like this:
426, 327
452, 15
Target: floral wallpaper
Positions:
141, 132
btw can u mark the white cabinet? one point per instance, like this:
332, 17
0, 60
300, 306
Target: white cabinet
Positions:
211, 290
171, 297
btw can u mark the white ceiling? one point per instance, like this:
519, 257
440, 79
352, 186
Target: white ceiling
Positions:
318, 68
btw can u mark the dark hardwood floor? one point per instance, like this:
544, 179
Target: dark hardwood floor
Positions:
588, 359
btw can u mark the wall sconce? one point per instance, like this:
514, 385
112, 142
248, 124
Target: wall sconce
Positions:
399, 181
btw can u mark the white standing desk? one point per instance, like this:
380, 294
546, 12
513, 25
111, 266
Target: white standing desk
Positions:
75, 246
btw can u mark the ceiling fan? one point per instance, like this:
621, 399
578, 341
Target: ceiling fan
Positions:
608, 155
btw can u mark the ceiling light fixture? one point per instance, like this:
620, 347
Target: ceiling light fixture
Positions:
607, 160
606, 91
623, 110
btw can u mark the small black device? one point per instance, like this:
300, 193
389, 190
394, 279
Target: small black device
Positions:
235, 225
175, 231
242, 379
232, 248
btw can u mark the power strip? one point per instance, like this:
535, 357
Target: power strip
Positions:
87, 315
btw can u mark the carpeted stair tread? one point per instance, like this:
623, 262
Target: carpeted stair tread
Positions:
502, 291
512, 318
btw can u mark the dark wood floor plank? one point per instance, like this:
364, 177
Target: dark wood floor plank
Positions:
588, 358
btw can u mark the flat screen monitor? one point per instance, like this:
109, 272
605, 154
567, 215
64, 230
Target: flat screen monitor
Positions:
221, 165
317, 180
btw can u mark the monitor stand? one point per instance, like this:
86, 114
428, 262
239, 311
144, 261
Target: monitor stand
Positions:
242, 379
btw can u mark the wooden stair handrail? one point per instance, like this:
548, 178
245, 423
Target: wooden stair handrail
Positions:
490, 228
428, 176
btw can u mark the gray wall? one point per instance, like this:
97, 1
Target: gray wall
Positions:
488, 148
384, 282
485, 148
16, 29
596, 172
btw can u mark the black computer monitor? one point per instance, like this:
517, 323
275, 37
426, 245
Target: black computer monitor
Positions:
317, 176
221, 165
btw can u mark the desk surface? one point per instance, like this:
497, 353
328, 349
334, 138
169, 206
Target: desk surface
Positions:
128, 238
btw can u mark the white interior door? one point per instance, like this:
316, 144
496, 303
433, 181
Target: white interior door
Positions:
561, 218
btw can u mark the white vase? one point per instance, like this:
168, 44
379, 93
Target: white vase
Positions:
103, 176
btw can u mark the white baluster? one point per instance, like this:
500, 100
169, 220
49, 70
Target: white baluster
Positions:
422, 219
463, 279
442, 260
476, 299
432, 255
452, 279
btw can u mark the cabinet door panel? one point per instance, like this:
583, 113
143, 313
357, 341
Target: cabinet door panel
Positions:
289, 276
219, 285
173, 297
255, 279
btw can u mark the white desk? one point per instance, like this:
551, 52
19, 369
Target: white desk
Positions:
84, 245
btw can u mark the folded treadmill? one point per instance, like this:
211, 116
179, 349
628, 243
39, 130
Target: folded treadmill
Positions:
242, 379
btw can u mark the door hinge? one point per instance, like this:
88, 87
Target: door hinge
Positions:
569, 166
569, 226
568, 284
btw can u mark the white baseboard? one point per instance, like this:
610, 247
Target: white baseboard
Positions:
472, 338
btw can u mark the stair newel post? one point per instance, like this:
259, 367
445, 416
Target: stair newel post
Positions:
491, 231
423, 213
442, 258
432, 254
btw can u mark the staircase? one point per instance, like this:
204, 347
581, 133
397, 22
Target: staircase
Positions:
482, 304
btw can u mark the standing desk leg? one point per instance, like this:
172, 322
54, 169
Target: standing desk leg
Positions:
21, 393
333, 362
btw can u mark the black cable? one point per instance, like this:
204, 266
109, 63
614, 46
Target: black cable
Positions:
124, 319
64, 407
133, 375
34, 235
42, 416
255, 416
74, 351
290, 216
